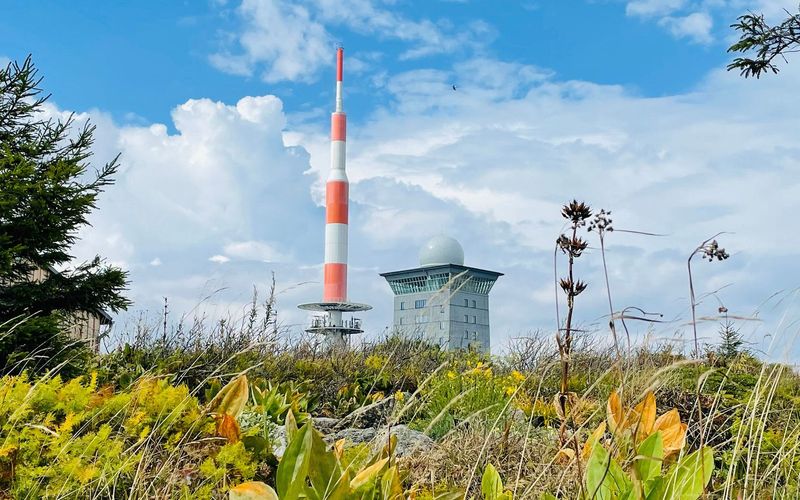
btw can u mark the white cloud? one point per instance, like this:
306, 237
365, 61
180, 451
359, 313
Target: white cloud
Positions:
650, 8
280, 34
293, 40
219, 259
694, 19
155, 262
696, 26
253, 250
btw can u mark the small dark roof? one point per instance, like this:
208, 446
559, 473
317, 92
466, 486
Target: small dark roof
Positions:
453, 268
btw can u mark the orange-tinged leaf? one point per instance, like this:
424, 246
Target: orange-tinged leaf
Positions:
593, 439
253, 490
644, 416
228, 427
368, 474
565, 455
672, 430
614, 412
338, 448
231, 398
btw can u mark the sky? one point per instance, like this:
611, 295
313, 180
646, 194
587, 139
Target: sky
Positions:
220, 110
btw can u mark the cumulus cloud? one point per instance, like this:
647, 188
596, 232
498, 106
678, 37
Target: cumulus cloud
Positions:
253, 250
223, 184
696, 26
490, 164
280, 34
694, 19
285, 40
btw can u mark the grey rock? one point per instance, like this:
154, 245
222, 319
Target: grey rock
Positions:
325, 425
353, 436
409, 441
371, 415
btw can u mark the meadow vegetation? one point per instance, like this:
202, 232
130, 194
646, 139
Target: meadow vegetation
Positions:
161, 419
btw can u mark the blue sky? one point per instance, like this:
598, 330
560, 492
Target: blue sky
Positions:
140, 59
220, 110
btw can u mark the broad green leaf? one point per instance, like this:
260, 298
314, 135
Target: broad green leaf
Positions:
650, 455
491, 484
691, 475
255, 444
253, 490
325, 473
231, 399
391, 485
450, 495
605, 478
293, 468
654, 488
368, 474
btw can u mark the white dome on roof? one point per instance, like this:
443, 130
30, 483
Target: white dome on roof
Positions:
441, 250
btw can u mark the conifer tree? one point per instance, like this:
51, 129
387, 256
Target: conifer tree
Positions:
47, 190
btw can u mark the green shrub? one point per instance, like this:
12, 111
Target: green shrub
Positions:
73, 439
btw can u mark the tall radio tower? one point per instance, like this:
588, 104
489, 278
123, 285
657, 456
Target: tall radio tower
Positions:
331, 323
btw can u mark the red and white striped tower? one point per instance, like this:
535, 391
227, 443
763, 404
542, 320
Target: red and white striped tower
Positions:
336, 193
334, 294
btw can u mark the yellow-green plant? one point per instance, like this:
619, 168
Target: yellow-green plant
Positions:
273, 401
629, 427
454, 396
65, 439
686, 479
310, 470
629, 463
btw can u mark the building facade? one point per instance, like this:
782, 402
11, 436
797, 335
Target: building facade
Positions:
443, 301
81, 325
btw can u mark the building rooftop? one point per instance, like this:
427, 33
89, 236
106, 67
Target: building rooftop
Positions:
436, 277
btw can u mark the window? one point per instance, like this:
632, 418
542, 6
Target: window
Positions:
441, 325
419, 304
401, 320
466, 302
474, 319
402, 306
474, 335
466, 318
466, 334
473, 304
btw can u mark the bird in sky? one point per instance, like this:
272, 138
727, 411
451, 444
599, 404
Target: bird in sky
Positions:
454, 87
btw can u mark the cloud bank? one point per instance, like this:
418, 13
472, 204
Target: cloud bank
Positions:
232, 195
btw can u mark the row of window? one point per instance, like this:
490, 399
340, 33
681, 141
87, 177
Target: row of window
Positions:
424, 319
419, 304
